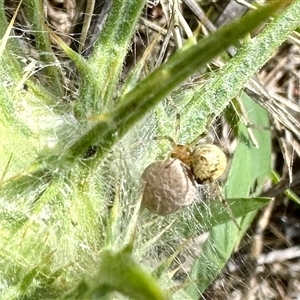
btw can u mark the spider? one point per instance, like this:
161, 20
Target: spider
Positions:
171, 183
206, 161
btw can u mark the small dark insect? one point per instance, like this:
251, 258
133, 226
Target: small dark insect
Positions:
91, 151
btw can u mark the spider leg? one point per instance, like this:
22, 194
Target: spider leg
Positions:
204, 133
177, 127
167, 138
177, 121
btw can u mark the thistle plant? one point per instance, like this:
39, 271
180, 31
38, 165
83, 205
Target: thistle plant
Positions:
72, 225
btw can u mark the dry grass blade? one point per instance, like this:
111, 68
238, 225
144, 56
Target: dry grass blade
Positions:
5, 38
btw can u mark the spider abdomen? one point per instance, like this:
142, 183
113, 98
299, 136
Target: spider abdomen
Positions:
208, 163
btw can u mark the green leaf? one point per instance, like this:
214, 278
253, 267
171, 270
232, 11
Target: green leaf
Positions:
212, 214
249, 170
118, 272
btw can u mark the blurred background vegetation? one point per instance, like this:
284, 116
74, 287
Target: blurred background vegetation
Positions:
86, 86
